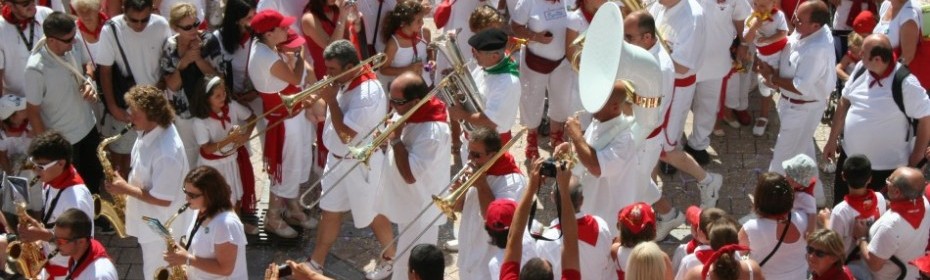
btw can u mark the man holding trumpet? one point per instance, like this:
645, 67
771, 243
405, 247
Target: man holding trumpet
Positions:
420, 145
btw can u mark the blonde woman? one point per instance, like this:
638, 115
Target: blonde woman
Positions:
648, 262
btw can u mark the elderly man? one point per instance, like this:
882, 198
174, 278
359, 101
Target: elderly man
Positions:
806, 76
868, 114
901, 234
411, 176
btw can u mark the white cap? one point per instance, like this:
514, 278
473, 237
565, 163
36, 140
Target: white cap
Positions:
9, 104
801, 168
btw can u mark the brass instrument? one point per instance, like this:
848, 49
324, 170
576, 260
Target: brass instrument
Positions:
462, 89
178, 272
27, 256
446, 204
289, 102
114, 211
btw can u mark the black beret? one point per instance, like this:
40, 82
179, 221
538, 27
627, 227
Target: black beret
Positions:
489, 40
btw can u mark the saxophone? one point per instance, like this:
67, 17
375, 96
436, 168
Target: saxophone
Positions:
114, 211
27, 257
178, 272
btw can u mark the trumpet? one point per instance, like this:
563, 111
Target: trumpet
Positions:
290, 102
446, 204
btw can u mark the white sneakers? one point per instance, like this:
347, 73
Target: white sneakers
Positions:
710, 191
663, 228
384, 269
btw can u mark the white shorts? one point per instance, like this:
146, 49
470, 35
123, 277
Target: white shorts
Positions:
111, 127
356, 191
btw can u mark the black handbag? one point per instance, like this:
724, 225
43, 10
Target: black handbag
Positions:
121, 83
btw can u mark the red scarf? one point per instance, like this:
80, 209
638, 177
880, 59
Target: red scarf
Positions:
857, 8
866, 205
19, 128
704, 255
223, 116
835, 273
413, 38
587, 229
366, 75
587, 16
877, 79
716, 255
504, 165
433, 111
809, 189
244, 38
7, 14
69, 177
274, 138
96, 31
94, 252
692, 245
911, 210
246, 174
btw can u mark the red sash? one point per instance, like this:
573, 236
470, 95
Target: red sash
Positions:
246, 174
274, 138
866, 205
774, 47
433, 111
679, 83
504, 165
911, 210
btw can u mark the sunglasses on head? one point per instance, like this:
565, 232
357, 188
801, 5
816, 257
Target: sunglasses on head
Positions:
42, 167
189, 27
139, 21
816, 252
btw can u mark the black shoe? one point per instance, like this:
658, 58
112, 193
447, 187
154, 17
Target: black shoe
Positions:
701, 156
105, 226
666, 168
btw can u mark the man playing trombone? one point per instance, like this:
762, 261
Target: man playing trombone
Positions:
416, 166
355, 105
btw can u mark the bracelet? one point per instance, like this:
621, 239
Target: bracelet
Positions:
396, 141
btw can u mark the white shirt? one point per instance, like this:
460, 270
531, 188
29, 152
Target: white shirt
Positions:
288, 8
143, 49
810, 64
15, 146
458, 21
14, 52
623, 258
260, 62
843, 217
769, 28
788, 262
576, 21
428, 145
842, 14
369, 10
689, 261
604, 195
362, 108
100, 269
159, 165
873, 118
893, 236
720, 31
682, 26
239, 59
77, 197
596, 257
667, 66
892, 28
501, 94
211, 130
543, 16
55, 90
475, 250
224, 228
529, 252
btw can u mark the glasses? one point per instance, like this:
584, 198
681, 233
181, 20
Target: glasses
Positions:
66, 41
139, 21
191, 195
474, 155
42, 167
189, 27
816, 252
62, 241
399, 102
23, 4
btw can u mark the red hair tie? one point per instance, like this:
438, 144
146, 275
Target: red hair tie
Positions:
718, 253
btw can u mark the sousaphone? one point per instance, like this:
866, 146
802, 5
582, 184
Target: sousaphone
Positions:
609, 58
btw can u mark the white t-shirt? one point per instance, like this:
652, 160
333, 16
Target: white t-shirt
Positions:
54, 89
720, 31
369, 10
595, 257
14, 51
873, 118
223, 228
77, 196
529, 252
543, 16
892, 28
689, 261
211, 130
260, 62
788, 262
623, 258
501, 94
289, 8
428, 145
769, 28
159, 164
843, 217
143, 49
841, 15
238, 60
100, 269
475, 252
682, 26
576, 21
814, 78
362, 109
893, 236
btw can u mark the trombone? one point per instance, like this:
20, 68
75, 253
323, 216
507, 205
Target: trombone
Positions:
290, 102
362, 153
446, 203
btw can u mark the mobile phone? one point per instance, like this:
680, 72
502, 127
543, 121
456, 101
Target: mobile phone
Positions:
284, 270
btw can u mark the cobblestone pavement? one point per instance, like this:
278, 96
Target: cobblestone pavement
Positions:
738, 155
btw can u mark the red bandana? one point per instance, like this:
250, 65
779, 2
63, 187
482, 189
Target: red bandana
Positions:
587, 230
865, 204
244, 39
704, 255
692, 245
413, 38
19, 128
835, 273
94, 252
718, 253
877, 79
68, 178
223, 116
96, 31
911, 210
504, 165
365, 76
7, 14
809, 189
433, 111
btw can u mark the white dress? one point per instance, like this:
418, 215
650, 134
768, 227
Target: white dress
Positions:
212, 130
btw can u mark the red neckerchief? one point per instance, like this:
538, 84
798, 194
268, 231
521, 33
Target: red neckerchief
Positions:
223, 117
68, 178
704, 255
244, 39
587, 229
692, 245
809, 189
716, 255
587, 16
504, 165
413, 38
852, 56
96, 31
912, 210
19, 128
620, 274
877, 79
857, 8
94, 252
835, 273
7, 14
433, 111
365, 76
865, 204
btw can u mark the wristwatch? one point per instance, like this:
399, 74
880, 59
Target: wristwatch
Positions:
396, 141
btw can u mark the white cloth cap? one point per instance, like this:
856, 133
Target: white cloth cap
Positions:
801, 168
9, 104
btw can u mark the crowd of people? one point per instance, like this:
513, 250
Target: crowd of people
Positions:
382, 107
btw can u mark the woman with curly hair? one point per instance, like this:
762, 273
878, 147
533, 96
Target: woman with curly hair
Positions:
405, 42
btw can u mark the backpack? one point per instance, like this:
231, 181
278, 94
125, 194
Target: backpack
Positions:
898, 96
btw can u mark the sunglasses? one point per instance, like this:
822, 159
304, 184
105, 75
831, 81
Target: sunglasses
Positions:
62, 241
818, 253
189, 27
42, 167
474, 155
138, 21
66, 41
399, 102
191, 195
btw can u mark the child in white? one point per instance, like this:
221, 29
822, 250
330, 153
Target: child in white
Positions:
15, 135
767, 29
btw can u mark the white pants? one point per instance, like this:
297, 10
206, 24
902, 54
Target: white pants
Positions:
738, 87
534, 88
297, 156
705, 104
474, 249
186, 132
795, 136
152, 257
431, 236
681, 103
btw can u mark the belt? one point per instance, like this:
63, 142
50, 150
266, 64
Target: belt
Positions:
797, 101
686, 81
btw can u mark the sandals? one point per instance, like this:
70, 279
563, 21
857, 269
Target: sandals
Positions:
300, 219
275, 225
759, 128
